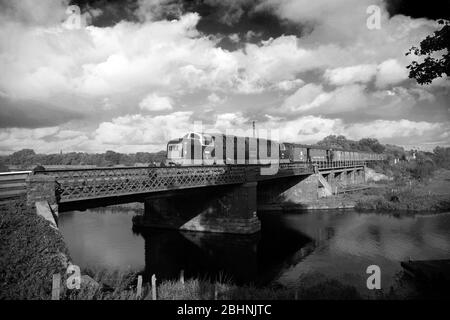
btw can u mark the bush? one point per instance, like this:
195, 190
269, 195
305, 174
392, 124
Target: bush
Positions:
403, 199
421, 169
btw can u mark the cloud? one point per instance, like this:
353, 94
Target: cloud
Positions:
134, 133
32, 114
151, 10
112, 76
349, 75
143, 130
229, 11
288, 85
234, 37
307, 97
390, 72
214, 99
383, 129
44, 13
313, 99
153, 102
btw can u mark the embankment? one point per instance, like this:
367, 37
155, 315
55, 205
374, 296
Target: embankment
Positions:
431, 195
30, 253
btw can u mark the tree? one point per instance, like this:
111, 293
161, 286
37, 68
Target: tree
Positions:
371, 145
3, 166
442, 157
432, 67
112, 157
22, 157
336, 142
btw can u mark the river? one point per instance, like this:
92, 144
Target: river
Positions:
292, 249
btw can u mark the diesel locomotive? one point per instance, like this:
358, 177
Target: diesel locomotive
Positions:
218, 149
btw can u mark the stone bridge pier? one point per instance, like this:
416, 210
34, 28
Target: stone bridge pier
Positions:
293, 190
225, 209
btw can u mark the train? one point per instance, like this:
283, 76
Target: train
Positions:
196, 148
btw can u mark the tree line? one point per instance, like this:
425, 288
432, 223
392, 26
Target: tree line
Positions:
27, 158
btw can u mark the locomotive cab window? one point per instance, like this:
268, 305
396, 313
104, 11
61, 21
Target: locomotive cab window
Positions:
207, 140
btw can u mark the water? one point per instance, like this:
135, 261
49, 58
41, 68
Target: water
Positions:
292, 248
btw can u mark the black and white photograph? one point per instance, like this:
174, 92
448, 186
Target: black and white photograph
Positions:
224, 154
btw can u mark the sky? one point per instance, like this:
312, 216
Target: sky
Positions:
130, 75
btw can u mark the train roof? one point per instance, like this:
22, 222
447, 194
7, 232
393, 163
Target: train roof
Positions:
217, 134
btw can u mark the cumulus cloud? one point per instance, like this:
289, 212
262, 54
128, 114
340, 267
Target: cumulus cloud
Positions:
338, 77
143, 130
307, 97
134, 133
390, 72
348, 75
214, 99
153, 102
288, 85
312, 98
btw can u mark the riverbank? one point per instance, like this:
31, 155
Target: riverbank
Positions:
31, 252
115, 286
384, 194
431, 195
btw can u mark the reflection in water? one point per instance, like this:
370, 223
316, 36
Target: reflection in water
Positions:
291, 247
242, 259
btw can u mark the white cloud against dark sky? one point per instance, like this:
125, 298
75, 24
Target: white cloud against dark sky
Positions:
136, 75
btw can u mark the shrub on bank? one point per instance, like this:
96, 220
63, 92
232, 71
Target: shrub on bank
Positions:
30, 253
404, 199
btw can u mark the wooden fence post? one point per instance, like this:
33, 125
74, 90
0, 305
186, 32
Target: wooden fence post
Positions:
182, 276
56, 283
153, 287
139, 287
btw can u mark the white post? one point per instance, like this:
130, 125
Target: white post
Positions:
139, 287
56, 286
153, 287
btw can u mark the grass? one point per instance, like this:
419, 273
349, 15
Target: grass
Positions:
431, 195
123, 287
30, 253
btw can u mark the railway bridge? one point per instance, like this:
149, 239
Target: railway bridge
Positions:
196, 198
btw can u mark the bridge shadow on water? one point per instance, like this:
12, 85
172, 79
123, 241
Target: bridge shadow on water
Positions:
241, 259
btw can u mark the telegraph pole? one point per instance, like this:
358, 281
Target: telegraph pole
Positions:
254, 128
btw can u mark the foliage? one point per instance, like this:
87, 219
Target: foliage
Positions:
341, 142
406, 194
394, 152
123, 287
30, 253
3, 166
404, 200
441, 157
432, 67
27, 158
371, 145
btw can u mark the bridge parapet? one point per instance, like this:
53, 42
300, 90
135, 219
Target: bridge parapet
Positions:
94, 183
